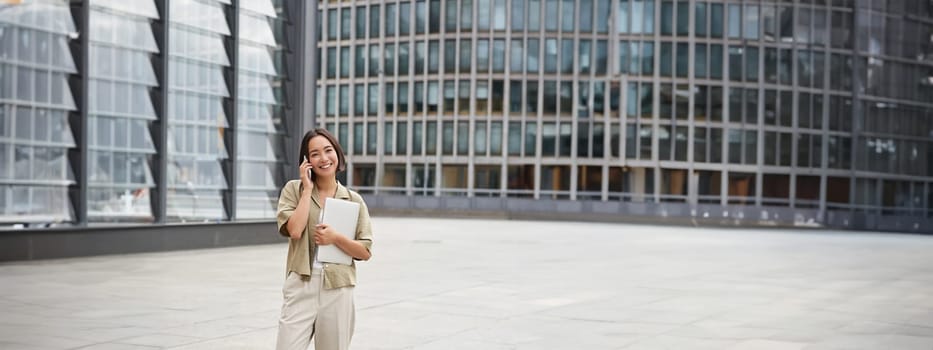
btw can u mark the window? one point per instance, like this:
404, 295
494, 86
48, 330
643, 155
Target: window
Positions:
700, 19
482, 56
487, 177
518, 15
550, 56
364, 175
403, 59
683, 18
433, 56
482, 15
463, 138
434, 17
715, 60
716, 20
667, 18
405, 18
499, 12
517, 56
374, 16
735, 21
345, 23
534, 15
401, 138
358, 102
450, 19
751, 22
361, 22
495, 138
741, 188
551, 15
345, 62
532, 53
466, 55
566, 57
420, 17
394, 176
417, 137
466, 15
586, 16
498, 56
447, 138
360, 67
450, 56
568, 14
479, 138
515, 138
700, 59
371, 138
682, 59
584, 58
423, 179
430, 142
521, 179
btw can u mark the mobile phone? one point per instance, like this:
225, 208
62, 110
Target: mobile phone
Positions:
310, 173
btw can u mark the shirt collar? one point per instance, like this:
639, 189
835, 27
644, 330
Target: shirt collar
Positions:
341, 193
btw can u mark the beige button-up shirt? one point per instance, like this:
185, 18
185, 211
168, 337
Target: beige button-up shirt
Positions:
301, 251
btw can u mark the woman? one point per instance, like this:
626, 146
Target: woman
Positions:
318, 296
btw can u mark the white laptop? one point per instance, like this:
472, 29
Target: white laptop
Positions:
342, 216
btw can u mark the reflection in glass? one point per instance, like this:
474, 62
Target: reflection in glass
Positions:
120, 144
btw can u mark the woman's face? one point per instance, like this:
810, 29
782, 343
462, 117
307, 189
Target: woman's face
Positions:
322, 156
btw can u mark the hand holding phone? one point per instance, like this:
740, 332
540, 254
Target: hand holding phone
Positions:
309, 172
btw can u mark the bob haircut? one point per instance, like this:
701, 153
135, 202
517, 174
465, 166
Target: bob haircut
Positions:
341, 159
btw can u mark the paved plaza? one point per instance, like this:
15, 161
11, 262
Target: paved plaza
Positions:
491, 284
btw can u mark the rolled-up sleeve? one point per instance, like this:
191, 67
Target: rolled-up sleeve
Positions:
364, 227
287, 203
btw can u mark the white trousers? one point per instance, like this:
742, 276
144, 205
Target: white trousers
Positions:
309, 311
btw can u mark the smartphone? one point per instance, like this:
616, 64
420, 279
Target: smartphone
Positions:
310, 173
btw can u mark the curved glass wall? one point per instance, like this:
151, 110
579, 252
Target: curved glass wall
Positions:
196, 116
35, 102
806, 105
260, 113
120, 110
160, 76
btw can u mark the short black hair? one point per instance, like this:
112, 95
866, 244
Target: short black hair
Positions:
341, 158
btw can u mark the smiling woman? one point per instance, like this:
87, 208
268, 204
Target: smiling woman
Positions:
318, 296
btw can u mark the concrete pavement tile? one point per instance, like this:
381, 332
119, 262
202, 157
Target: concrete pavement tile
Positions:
461, 344
907, 342
873, 327
764, 344
8, 345
206, 330
257, 339
734, 333
429, 325
671, 342
160, 340
388, 339
118, 346
45, 340
850, 342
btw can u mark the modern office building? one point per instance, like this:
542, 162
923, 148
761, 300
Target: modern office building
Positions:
117, 114
812, 112
179, 112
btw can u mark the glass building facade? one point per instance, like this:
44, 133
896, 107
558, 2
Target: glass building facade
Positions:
806, 111
816, 112
141, 111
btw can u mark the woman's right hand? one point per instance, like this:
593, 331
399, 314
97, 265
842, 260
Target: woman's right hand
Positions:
304, 170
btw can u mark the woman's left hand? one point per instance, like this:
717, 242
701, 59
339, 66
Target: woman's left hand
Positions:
325, 235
